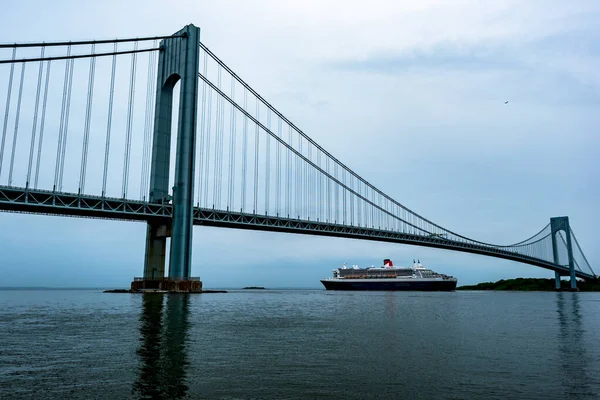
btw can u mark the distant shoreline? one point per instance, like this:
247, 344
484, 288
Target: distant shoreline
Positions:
533, 284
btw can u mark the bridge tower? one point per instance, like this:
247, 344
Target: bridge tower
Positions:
558, 224
179, 60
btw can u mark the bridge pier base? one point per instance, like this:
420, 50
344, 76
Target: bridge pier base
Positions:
556, 280
573, 278
190, 285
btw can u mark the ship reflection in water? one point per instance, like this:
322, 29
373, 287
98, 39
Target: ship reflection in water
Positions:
164, 324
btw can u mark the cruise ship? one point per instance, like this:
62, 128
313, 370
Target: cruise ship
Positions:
389, 277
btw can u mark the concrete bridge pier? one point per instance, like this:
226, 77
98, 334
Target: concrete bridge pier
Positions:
556, 279
558, 224
179, 60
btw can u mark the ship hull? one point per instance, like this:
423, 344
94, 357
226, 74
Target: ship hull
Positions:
389, 284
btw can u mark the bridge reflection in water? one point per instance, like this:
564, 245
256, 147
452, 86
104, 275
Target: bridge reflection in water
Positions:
170, 365
574, 357
164, 325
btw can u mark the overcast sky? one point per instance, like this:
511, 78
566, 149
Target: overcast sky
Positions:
409, 94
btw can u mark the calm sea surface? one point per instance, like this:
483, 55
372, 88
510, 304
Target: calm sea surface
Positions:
85, 344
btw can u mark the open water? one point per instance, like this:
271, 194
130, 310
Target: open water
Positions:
296, 344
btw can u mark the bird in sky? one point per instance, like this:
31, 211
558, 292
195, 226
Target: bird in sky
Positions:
506, 102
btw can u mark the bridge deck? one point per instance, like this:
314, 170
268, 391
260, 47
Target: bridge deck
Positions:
25, 200
13, 199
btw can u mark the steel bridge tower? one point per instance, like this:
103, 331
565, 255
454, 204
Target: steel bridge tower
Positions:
558, 224
179, 60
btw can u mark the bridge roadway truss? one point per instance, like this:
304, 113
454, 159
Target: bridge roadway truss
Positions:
35, 201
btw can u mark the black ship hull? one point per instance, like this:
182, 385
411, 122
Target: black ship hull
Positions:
392, 284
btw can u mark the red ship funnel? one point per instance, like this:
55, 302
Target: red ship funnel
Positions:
388, 263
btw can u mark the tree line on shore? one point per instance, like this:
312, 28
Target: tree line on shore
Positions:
533, 284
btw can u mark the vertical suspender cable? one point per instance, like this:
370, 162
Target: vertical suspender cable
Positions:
545, 249
328, 191
301, 188
146, 153
392, 219
315, 185
278, 170
294, 178
366, 207
358, 204
203, 117
337, 193
304, 185
88, 116
146, 125
309, 184
316, 181
319, 188
351, 200
347, 183
218, 124
384, 217
342, 193
62, 119
221, 150
306, 182
378, 214
309, 172
581, 251
41, 139
373, 209
7, 110
404, 216
256, 143
208, 134
35, 117
153, 89
232, 131
298, 190
244, 152
16, 132
66, 128
289, 173
126, 156
359, 220
324, 180
268, 166
109, 121
147, 111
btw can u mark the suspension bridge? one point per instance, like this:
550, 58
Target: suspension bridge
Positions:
86, 132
